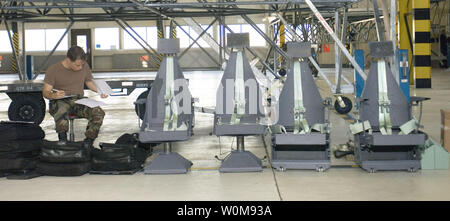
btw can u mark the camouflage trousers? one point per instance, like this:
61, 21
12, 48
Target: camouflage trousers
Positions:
62, 108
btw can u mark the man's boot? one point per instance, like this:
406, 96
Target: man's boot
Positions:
62, 138
88, 142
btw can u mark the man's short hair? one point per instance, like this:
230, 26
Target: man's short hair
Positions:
75, 53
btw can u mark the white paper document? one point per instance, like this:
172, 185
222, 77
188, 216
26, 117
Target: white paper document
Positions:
103, 87
90, 102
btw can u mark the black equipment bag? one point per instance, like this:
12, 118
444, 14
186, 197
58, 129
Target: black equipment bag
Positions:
72, 152
63, 169
133, 139
20, 131
113, 158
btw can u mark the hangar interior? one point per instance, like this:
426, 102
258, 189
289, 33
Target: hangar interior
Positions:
319, 62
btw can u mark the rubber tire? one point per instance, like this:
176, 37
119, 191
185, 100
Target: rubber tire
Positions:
141, 107
348, 106
10, 165
16, 155
12, 131
43, 106
63, 169
282, 72
35, 106
19, 146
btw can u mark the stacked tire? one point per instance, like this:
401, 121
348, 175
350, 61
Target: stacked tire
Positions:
20, 146
71, 159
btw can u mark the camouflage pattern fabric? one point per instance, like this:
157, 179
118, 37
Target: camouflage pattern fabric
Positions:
62, 108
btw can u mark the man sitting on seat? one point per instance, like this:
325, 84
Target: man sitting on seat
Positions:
63, 85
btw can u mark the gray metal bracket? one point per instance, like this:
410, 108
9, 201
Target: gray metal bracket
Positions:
241, 161
168, 162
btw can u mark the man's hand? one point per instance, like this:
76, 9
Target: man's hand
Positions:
50, 93
59, 94
103, 96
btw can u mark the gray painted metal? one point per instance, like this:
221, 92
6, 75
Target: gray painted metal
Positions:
152, 126
164, 136
247, 129
370, 149
299, 49
381, 49
152, 129
298, 159
238, 40
378, 21
376, 165
241, 161
263, 62
301, 164
169, 46
372, 160
300, 139
340, 58
399, 140
249, 120
314, 114
337, 30
312, 101
168, 163
369, 109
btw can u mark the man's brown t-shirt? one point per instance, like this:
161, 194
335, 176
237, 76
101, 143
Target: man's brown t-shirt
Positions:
71, 82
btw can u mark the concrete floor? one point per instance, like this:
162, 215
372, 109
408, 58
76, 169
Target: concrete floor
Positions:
204, 182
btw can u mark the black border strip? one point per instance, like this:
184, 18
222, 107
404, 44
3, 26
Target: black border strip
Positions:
421, 14
422, 37
422, 60
423, 82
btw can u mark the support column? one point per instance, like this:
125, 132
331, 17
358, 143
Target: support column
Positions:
15, 38
160, 31
282, 40
404, 32
422, 45
173, 30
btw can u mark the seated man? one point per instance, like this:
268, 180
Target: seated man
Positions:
67, 78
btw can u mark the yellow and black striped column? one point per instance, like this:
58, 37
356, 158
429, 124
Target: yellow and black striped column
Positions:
160, 28
15, 40
282, 39
404, 31
422, 43
174, 30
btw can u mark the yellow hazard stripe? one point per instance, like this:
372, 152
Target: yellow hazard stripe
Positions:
422, 49
422, 72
